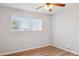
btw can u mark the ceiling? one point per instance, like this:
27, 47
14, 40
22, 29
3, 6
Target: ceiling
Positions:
32, 7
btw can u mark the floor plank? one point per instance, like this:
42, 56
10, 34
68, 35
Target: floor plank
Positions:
44, 51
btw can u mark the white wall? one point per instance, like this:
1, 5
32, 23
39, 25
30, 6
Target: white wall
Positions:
12, 41
65, 27
65, 30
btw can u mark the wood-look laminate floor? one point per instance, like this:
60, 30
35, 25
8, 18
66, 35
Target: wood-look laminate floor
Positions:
44, 51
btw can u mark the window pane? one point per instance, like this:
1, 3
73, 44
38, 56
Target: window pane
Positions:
26, 24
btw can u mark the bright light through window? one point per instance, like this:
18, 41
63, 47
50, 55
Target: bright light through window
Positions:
20, 23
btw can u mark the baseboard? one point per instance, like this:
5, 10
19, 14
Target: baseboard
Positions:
39, 47
6, 53
65, 49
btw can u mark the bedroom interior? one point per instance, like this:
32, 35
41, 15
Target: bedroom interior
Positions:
39, 29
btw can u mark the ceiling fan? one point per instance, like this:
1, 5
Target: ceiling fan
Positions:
49, 6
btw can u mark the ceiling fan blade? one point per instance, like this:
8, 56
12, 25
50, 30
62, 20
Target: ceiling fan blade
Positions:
59, 4
39, 7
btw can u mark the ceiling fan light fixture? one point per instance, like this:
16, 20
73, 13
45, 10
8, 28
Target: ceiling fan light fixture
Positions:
49, 7
50, 10
46, 7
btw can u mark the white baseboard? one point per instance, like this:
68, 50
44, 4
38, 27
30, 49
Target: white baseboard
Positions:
22, 50
65, 49
39, 47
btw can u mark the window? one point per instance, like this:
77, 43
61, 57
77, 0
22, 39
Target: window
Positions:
20, 23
